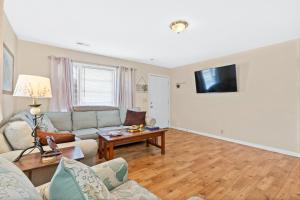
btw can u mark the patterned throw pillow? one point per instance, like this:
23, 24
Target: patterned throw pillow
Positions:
135, 118
14, 184
113, 173
74, 180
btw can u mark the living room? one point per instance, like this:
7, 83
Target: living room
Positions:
153, 115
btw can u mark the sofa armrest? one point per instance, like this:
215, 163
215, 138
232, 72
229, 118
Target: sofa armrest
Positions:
43, 190
88, 147
113, 173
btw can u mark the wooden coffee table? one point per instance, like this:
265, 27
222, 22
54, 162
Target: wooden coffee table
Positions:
107, 143
33, 161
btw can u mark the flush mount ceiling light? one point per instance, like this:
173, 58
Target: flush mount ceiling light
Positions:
178, 26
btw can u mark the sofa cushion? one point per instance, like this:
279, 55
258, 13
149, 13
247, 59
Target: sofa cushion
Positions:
89, 133
14, 184
18, 134
93, 108
108, 118
75, 179
4, 146
61, 120
113, 128
82, 120
131, 190
11, 155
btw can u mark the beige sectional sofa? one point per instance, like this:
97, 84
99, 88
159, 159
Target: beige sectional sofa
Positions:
84, 123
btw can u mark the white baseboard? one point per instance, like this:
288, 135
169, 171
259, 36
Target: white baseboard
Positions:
259, 146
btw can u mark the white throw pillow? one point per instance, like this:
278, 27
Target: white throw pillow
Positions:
18, 135
14, 184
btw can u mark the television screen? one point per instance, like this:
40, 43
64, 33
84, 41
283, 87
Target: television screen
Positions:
219, 79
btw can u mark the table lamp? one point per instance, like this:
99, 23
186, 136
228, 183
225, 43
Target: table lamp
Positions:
35, 87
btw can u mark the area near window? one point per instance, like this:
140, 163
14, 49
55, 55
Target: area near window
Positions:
94, 85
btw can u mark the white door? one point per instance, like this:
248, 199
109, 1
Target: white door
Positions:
159, 99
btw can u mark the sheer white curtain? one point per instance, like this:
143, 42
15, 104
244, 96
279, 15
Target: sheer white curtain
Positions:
61, 82
125, 96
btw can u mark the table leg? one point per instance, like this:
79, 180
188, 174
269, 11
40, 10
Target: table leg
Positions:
147, 142
100, 149
163, 143
105, 149
111, 151
30, 175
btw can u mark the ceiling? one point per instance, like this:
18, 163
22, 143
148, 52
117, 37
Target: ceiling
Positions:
138, 30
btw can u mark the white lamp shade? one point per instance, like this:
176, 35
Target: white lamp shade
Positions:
33, 86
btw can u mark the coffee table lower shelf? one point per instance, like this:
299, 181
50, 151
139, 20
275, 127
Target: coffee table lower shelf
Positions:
107, 143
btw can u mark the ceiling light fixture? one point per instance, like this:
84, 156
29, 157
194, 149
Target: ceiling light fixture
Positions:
178, 26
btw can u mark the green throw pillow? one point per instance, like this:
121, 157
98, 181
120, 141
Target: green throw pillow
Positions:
76, 181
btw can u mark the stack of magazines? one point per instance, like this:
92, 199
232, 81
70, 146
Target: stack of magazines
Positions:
152, 128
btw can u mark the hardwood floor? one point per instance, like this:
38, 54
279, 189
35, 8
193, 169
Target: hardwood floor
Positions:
213, 169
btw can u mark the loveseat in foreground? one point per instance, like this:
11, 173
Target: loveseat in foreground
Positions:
114, 174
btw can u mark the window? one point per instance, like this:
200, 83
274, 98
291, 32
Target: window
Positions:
94, 85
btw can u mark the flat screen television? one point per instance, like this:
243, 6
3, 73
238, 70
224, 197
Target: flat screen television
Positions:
218, 79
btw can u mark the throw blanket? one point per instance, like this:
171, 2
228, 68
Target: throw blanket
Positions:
23, 116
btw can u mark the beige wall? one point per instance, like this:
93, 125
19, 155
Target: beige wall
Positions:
33, 59
10, 40
265, 110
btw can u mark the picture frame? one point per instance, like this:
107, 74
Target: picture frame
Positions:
142, 86
8, 71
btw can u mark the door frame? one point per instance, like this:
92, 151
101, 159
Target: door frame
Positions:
169, 96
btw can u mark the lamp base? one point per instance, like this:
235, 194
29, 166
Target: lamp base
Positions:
35, 111
51, 153
38, 146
